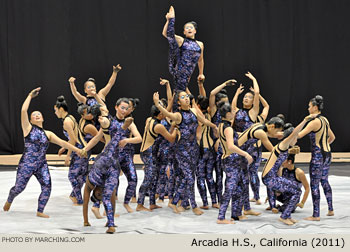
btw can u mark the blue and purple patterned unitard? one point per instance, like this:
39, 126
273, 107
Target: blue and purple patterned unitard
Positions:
275, 183
106, 169
182, 60
216, 119
186, 154
206, 165
78, 166
285, 197
127, 164
233, 184
148, 155
164, 160
33, 162
319, 165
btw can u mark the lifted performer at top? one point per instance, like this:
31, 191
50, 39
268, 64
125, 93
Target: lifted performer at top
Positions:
184, 53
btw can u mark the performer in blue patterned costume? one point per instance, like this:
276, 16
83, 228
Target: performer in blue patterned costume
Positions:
131, 136
218, 95
149, 152
231, 165
78, 166
245, 118
186, 149
103, 177
321, 136
184, 53
33, 160
270, 176
296, 175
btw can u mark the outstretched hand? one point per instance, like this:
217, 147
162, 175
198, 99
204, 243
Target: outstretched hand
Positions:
230, 83
163, 81
156, 98
250, 76
35, 92
117, 68
240, 89
171, 13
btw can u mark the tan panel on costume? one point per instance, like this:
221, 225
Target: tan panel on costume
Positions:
248, 134
321, 136
225, 150
272, 160
149, 136
205, 135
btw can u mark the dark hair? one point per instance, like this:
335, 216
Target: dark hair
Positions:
120, 100
81, 108
164, 101
203, 102
193, 23
90, 79
277, 121
281, 116
224, 108
134, 101
250, 92
291, 157
154, 111
317, 101
222, 94
94, 110
61, 103
287, 130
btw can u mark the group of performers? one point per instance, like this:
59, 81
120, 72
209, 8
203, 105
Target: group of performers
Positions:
185, 139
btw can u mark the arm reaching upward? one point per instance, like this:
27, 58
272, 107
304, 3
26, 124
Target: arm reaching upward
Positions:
26, 126
104, 91
75, 92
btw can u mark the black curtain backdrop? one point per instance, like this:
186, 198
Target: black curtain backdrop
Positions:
295, 48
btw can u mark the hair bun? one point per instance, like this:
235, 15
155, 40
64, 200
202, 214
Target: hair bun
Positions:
92, 80
220, 104
281, 116
60, 98
287, 126
319, 98
223, 91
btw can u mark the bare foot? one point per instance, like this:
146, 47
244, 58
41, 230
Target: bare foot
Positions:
157, 195
104, 213
252, 200
175, 210
7, 206
96, 212
242, 217
286, 221
268, 209
258, 202
160, 201
187, 208
311, 218
73, 199
110, 230
42, 215
292, 220
225, 221
204, 207
87, 224
181, 209
266, 200
216, 206
330, 213
251, 212
133, 200
140, 207
128, 208
274, 210
154, 207
116, 215
197, 211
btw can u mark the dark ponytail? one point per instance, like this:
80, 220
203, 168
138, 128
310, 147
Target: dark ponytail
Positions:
278, 121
